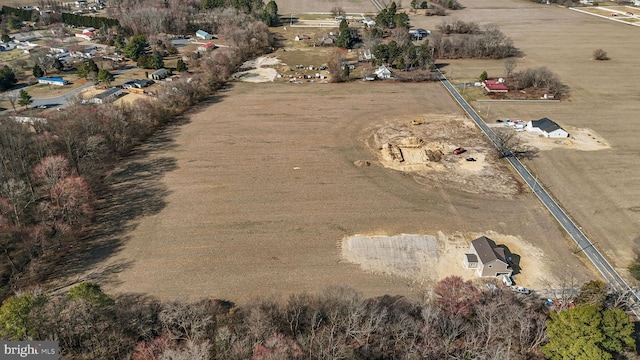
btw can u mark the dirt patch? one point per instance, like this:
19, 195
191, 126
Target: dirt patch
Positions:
580, 139
426, 152
259, 188
429, 258
259, 72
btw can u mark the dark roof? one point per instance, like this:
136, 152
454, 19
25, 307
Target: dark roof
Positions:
545, 124
107, 93
471, 258
485, 248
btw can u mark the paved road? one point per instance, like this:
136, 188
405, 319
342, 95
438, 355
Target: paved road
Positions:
377, 4
584, 244
63, 100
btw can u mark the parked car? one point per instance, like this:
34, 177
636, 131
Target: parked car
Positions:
521, 290
506, 279
459, 151
471, 159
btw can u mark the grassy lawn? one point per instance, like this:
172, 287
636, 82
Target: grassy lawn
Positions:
15, 54
48, 91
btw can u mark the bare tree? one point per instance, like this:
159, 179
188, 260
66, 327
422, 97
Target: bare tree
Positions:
337, 11
12, 98
509, 66
508, 143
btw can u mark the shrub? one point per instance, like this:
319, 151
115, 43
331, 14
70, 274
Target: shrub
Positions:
600, 54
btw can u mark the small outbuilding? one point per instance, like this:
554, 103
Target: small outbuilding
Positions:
206, 47
547, 128
201, 34
159, 74
487, 258
52, 81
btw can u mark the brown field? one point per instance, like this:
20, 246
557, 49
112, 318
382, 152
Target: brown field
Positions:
255, 192
596, 186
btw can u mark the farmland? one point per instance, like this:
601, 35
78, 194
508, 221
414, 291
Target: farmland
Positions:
259, 188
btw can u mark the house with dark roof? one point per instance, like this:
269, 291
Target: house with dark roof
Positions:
495, 86
547, 128
107, 96
487, 258
159, 74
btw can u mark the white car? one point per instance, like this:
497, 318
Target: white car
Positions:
521, 290
506, 279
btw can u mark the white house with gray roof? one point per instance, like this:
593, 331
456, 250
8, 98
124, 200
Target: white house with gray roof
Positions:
547, 128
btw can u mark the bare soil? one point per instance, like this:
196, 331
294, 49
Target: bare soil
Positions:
256, 192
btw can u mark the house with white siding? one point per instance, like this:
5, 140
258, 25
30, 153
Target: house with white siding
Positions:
547, 128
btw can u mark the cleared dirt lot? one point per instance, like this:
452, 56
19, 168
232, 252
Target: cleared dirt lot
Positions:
254, 195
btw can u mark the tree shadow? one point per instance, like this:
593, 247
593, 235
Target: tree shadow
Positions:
131, 191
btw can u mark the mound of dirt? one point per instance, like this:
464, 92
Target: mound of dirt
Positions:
426, 151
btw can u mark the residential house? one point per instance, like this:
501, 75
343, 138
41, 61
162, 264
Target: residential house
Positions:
159, 74
206, 47
383, 72
495, 86
107, 96
487, 258
201, 34
547, 128
369, 21
52, 81
86, 34
137, 84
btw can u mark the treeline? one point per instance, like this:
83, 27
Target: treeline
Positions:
457, 320
21, 14
50, 172
471, 42
149, 18
88, 21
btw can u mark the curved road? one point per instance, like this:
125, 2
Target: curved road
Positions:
585, 245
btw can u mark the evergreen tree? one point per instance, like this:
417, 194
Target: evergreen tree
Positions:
24, 99
37, 71
105, 76
585, 333
181, 66
271, 17
7, 78
135, 47
156, 61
